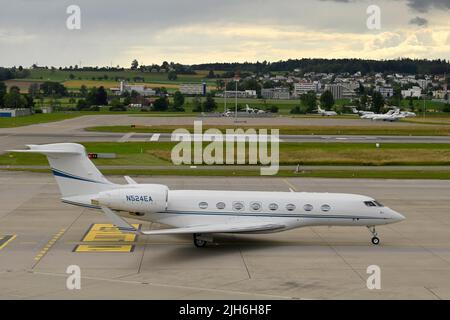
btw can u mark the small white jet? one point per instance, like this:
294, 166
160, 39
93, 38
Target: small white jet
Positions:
326, 113
391, 115
408, 114
361, 112
253, 110
203, 213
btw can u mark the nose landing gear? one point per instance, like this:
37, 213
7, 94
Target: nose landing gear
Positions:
375, 239
199, 240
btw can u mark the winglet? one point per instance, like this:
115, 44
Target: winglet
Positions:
120, 223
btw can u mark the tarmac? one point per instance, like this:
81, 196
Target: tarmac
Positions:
40, 237
73, 130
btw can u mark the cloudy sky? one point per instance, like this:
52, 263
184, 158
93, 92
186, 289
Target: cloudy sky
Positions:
197, 31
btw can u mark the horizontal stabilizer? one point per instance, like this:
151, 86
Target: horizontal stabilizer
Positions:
120, 223
51, 149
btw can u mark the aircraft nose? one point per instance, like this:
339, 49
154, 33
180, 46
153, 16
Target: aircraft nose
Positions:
397, 217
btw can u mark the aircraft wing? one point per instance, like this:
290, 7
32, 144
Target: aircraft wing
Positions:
219, 228
212, 228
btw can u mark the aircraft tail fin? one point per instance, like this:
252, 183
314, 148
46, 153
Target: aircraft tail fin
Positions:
73, 170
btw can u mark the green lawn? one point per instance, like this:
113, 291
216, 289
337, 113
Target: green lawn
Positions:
35, 119
60, 75
147, 154
394, 130
394, 174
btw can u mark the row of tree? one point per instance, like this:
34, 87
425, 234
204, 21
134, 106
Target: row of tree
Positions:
410, 66
14, 99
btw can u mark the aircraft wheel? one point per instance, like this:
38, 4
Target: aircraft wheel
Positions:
198, 242
376, 241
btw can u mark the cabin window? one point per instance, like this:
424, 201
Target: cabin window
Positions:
290, 207
203, 205
255, 206
220, 205
325, 208
238, 206
273, 206
308, 207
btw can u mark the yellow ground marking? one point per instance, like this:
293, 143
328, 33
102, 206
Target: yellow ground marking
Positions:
100, 233
49, 244
108, 233
5, 240
290, 185
104, 248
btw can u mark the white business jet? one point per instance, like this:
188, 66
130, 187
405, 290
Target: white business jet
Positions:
361, 112
253, 110
203, 212
326, 113
391, 115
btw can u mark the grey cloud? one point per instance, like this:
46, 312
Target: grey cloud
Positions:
419, 21
426, 5
418, 5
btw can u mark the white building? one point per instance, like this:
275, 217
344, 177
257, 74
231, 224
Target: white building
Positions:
276, 93
193, 88
439, 94
386, 91
141, 89
304, 87
423, 83
414, 92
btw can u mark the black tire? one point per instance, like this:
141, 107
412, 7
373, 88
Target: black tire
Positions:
375, 241
198, 242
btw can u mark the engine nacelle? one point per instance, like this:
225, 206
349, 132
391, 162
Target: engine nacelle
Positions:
149, 198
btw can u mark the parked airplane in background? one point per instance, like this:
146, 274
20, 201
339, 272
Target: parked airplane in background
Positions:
392, 115
326, 113
361, 112
203, 212
253, 110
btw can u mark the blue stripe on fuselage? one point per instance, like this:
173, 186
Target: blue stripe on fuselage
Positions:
59, 173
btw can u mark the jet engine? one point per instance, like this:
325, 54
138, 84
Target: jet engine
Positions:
149, 198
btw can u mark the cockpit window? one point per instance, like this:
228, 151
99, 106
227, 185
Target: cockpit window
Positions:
378, 204
373, 204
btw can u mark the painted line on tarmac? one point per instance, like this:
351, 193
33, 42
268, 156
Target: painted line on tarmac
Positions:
290, 185
5, 240
126, 137
155, 137
48, 246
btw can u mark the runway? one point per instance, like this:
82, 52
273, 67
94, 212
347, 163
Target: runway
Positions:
40, 237
73, 130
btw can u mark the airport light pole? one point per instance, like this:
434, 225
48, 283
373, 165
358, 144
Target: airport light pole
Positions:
236, 100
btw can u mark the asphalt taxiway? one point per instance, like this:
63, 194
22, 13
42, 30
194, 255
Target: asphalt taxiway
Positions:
40, 237
73, 130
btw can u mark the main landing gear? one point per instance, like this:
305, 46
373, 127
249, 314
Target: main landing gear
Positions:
375, 239
199, 240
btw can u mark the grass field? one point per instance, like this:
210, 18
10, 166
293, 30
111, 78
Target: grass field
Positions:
148, 154
440, 130
337, 174
61, 76
35, 119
